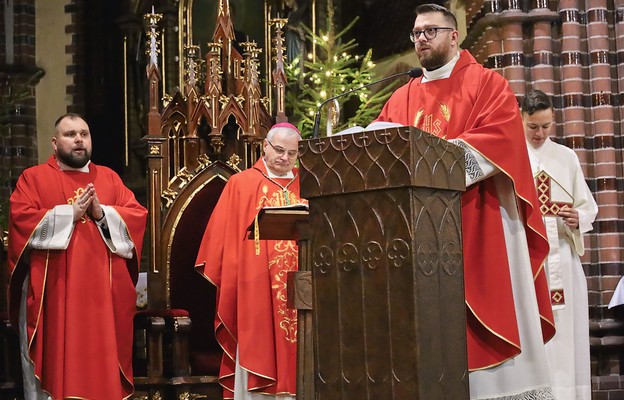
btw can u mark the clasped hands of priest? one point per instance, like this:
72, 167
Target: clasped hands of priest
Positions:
88, 203
569, 216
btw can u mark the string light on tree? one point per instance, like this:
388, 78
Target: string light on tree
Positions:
333, 71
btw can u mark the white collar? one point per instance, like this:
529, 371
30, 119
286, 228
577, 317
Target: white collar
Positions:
441, 73
63, 167
540, 150
273, 176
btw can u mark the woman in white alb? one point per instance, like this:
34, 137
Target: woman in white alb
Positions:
568, 210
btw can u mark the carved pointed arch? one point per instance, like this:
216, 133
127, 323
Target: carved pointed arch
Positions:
198, 137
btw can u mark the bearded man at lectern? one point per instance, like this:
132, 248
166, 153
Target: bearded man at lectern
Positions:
256, 330
509, 317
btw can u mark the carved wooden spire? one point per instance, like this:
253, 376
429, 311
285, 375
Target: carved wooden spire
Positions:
279, 74
224, 29
153, 75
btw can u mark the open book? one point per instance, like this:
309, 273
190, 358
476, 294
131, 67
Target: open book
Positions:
292, 207
373, 126
278, 222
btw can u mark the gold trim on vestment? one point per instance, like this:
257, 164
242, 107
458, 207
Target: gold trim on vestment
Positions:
517, 346
256, 235
273, 381
131, 383
528, 226
513, 182
30, 340
19, 258
45, 277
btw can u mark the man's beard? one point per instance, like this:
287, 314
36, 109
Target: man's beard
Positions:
435, 60
72, 160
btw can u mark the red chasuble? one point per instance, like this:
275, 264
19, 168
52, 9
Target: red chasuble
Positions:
251, 284
477, 106
81, 301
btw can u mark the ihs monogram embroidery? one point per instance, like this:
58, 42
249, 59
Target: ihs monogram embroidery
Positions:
435, 126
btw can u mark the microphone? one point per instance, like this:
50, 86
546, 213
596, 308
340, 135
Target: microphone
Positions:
413, 73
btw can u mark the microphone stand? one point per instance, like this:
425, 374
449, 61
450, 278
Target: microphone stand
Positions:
414, 73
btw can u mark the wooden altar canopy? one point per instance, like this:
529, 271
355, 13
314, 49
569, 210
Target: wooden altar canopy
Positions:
385, 256
198, 137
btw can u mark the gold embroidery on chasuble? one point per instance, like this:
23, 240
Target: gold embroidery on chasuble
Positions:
434, 123
72, 200
279, 198
445, 110
284, 261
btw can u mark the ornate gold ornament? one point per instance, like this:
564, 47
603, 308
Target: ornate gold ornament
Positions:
168, 196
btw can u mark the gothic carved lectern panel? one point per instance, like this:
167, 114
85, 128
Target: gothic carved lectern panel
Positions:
386, 261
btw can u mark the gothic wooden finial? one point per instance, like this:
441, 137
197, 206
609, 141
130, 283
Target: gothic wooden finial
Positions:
224, 8
279, 74
224, 29
192, 71
151, 22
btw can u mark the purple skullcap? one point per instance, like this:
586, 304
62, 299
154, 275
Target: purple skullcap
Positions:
286, 125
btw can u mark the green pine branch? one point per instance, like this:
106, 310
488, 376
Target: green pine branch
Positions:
335, 70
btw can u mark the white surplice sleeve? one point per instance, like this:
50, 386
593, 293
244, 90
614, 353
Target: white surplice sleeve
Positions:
54, 230
586, 206
115, 233
56, 227
478, 167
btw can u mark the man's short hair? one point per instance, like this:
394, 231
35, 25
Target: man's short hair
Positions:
433, 8
535, 101
69, 115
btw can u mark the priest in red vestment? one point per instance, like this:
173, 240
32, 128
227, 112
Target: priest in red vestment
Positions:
256, 330
508, 310
75, 238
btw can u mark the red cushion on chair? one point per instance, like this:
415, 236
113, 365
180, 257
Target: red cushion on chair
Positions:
169, 312
206, 363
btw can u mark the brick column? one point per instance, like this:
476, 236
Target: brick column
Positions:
574, 50
602, 129
18, 76
542, 71
513, 46
76, 50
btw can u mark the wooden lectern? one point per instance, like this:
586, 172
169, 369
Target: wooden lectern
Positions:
291, 223
384, 253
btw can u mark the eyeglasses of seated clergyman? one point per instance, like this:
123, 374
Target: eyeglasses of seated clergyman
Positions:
280, 151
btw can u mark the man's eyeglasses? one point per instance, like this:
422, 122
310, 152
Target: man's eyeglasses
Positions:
280, 151
430, 33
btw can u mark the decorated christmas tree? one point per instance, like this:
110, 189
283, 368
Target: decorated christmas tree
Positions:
332, 71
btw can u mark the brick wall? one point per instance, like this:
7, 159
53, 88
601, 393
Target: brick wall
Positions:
18, 134
18, 77
574, 51
76, 69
